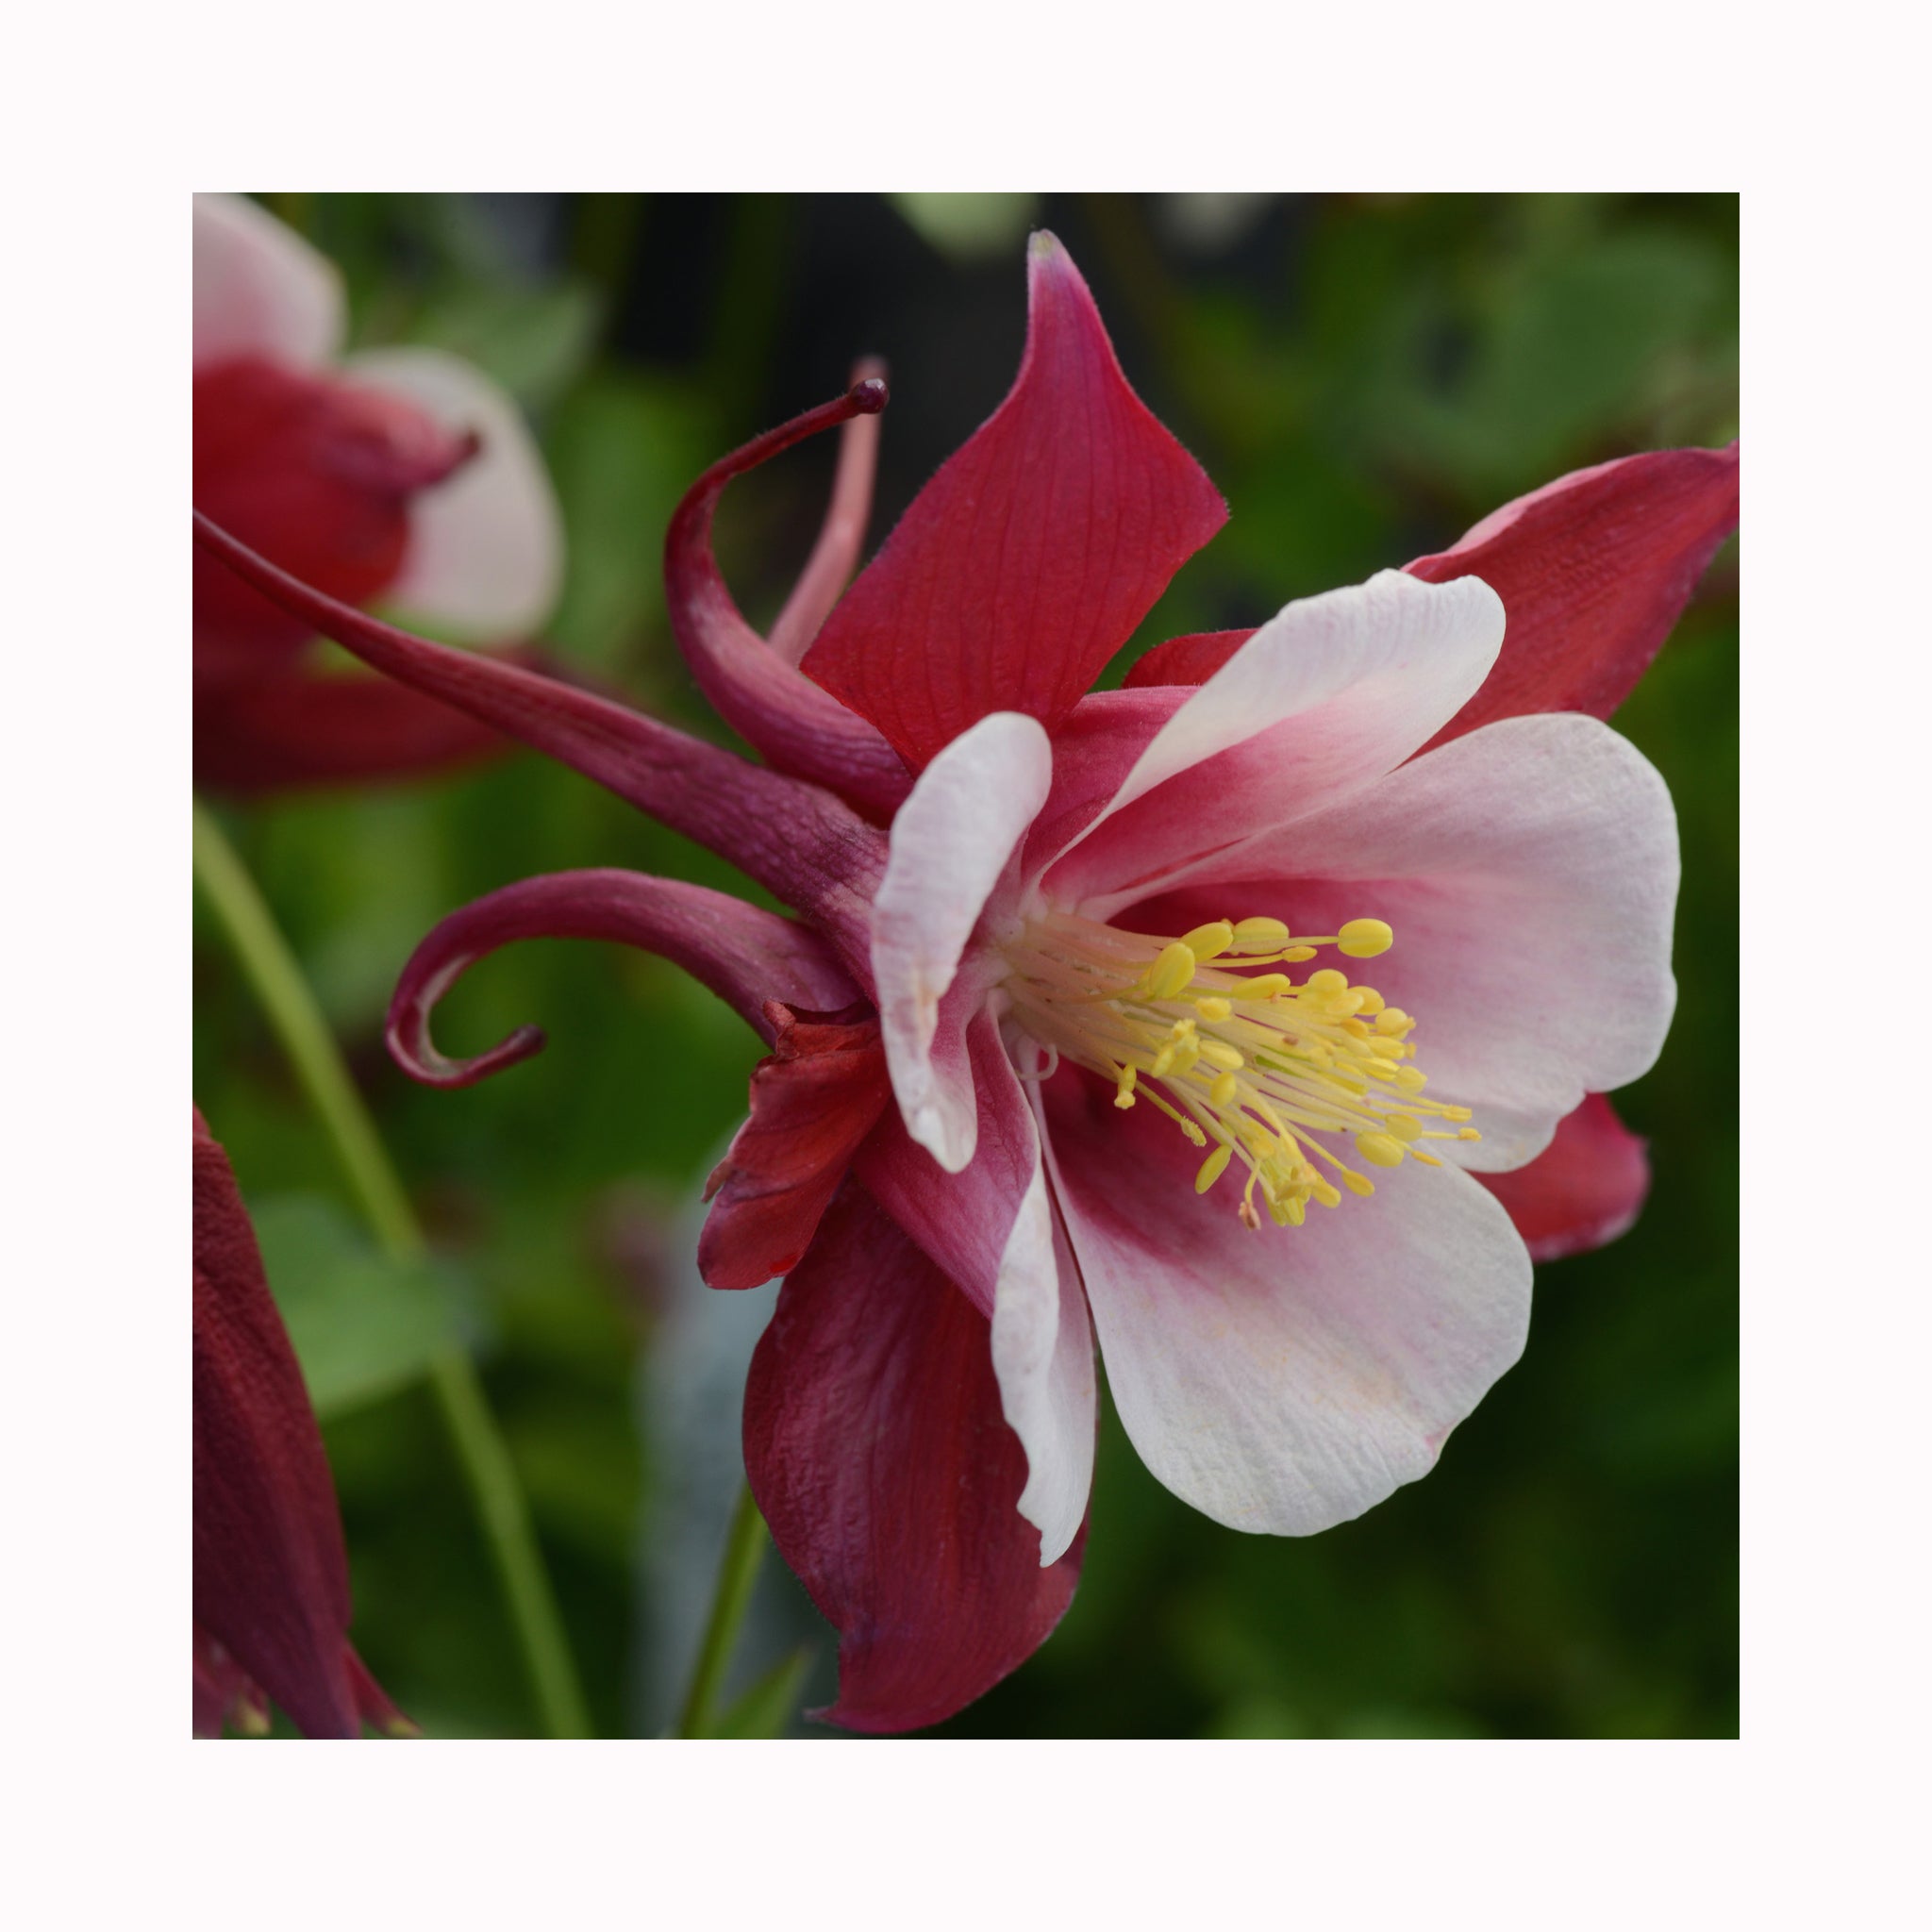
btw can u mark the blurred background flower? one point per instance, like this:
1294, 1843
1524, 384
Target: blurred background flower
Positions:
1362, 377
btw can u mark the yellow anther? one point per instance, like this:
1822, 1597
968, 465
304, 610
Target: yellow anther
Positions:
1357, 1183
1224, 1089
1295, 954
1328, 981
1405, 1126
1163, 1062
1170, 972
1209, 941
1362, 939
1468, 1134
1124, 1092
1223, 1057
1264, 986
1372, 1001
1214, 1167
1392, 1020
1384, 1150
1410, 1079
1258, 936
1328, 1195
1426, 1159
1192, 1129
1214, 1007
1456, 1113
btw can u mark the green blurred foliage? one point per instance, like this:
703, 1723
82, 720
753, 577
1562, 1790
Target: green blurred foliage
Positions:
1363, 378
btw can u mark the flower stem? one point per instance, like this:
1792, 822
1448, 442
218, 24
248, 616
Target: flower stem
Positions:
745, 1549
276, 978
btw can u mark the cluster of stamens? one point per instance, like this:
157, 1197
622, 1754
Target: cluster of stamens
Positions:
1249, 1064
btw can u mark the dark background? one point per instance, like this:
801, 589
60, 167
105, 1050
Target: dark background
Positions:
1363, 378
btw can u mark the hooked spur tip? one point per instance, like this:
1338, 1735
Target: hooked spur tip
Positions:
868, 394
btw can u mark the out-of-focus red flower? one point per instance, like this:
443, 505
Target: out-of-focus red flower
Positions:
402, 474
271, 1577
978, 847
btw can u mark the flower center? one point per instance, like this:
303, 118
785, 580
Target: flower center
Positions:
1250, 1064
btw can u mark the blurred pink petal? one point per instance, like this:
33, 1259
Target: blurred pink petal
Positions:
485, 553
261, 290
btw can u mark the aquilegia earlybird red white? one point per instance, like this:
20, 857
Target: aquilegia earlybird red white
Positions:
1179, 1017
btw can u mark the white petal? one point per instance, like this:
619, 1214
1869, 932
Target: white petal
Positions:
951, 842
1283, 1380
1529, 871
261, 290
1323, 699
1042, 1354
485, 562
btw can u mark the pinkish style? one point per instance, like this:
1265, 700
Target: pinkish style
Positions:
402, 474
271, 1580
1045, 1070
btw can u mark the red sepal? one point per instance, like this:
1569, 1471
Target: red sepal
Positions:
1029, 559
1594, 570
877, 1449
1192, 659
1584, 1189
271, 1577
813, 1102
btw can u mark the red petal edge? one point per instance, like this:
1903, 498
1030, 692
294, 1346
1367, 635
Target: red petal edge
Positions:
743, 954
1029, 559
877, 1452
1594, 570
1583, 1191
271, 1576
813, 1102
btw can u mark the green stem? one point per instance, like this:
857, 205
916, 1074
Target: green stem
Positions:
272, 970
745, 1549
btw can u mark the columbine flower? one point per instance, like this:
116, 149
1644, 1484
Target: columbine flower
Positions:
271, 1580
406, 474
1082, 1042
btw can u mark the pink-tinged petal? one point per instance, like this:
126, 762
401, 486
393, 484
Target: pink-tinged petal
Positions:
841, 537
793, 723
317, 475
877, 1452
951, 842
1283, 1380
225, 1694
1529, 871
1094, 748
1029, 559
1322, 701
964, 1221
1583, 1191
485, 555
306, 729
1594, 570
802, 843
1042, 1356
813, 1102
261, 290
746, 955
271, 1578
1192, 659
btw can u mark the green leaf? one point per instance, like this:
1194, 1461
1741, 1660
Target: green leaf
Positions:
362, 1324
769, 1705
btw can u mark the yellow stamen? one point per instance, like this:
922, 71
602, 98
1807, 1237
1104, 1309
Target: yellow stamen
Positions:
1245, 1064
